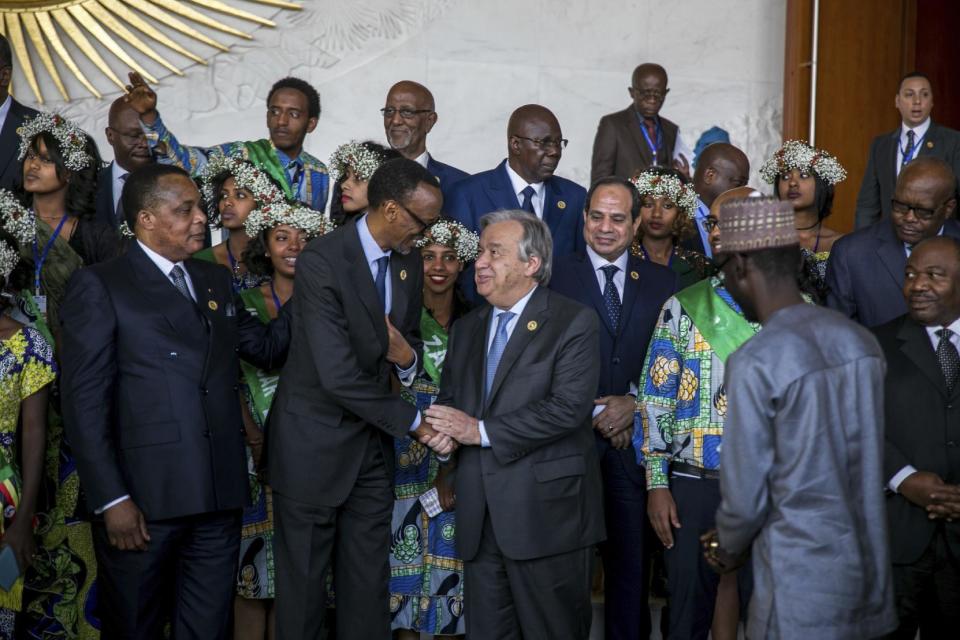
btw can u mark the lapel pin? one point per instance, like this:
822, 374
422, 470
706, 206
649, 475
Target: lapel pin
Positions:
403, 274
929, 144
213, 305
532, 325
634, 275
561, 204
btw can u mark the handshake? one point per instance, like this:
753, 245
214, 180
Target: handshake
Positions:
443, 429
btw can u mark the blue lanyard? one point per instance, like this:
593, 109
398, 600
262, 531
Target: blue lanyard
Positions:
38, 260
910, 152
654, 149
276, 300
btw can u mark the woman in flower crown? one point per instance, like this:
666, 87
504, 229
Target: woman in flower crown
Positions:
278, 233
667, 209
806, 176
232, 188
426, 583
351, 166
27, 370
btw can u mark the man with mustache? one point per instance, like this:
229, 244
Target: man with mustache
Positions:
921, 458
293, 110
130, 152
865, 272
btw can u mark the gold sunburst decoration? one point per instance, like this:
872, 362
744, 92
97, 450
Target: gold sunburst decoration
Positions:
43, 28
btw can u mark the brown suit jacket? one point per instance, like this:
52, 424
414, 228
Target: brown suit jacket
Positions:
621, 150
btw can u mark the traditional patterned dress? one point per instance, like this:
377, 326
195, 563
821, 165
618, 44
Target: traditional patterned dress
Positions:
815, 274
303, 178
682, 404
426, 574
255, 575
241, 281
26, 366
690, 266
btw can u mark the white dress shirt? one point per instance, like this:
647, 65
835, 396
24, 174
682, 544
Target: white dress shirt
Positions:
919, 132
519, 184
117, 174
908, 470
4, 110
423, 159
517, 310
619, 278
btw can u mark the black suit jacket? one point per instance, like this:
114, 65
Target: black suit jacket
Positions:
540, 478
619, 148
106, 212
865, 273
10, 142
922, 430
150, 385
880, 177
335, 390
447, 176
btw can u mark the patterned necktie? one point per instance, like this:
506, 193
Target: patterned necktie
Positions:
496, 349
118, 214
527, 205
651, 127
382, 265
611, 298
180, 281
948, 357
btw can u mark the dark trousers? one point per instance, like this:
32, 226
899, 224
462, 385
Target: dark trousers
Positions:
540, 599
625, 554
187, 576
928, 593
691, 582
356, 537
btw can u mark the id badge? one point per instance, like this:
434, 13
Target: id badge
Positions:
41, 305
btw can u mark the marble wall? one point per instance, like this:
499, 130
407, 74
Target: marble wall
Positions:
483, 59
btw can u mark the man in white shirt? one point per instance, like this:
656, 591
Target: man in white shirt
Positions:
922, 450
130, 152
917, 136
12, 114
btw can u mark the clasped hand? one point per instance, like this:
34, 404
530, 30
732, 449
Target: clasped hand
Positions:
454, 423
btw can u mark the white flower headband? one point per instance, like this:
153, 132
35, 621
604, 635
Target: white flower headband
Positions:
72, 139
649, 183
8, 260
296, 215
17, 220
795, 154
245, 174
453, 235
361, 160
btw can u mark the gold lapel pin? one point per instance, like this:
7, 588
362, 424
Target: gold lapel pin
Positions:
403, 274
929, 144
561, 204
532, 325
634, 275
213, 305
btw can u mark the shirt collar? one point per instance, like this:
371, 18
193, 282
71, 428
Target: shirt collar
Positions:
519, 184
5, 109
599, 262
918, 131
371, 250
162, 263
116, 171
518, 306
423, 159
286, 160
953, 326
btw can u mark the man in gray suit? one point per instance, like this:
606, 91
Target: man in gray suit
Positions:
329, 444
517, 393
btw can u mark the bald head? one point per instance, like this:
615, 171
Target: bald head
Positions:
409, 115
932, 172
924, 198
534, 142
526, 114
648, 69
130, 149
718, 202
720, 167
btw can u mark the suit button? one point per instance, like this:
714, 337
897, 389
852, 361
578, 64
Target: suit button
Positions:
616, 360
951, 443
206, 433
204, 391
236, 387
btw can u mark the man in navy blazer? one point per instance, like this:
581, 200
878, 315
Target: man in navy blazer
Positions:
130, 152
408, 116
865, 271
628, 302
12, 115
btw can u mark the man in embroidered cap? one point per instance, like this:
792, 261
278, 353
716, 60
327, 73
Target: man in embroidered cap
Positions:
801, 478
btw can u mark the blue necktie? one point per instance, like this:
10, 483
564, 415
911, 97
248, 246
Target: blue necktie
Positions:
611, 298
496, 349
908, 154
382, 265
528, 193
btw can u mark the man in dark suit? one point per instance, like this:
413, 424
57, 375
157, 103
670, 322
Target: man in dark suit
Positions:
130, 152
149, 360
12, 115
632, 140
408, 116
917, 136
516, 393
356, 313
720, 167
865, 271
922, 451
627, 294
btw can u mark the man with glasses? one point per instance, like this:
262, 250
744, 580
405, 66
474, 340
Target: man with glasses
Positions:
408, 116
12, 115
865, 271
130, 152
632, 140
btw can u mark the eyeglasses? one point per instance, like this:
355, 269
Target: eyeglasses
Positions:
710, 223
418, 219
546, 143
406, 114
922, 213
130, 138
655, 94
